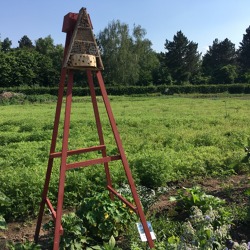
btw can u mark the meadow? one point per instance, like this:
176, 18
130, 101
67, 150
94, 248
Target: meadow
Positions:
166, 138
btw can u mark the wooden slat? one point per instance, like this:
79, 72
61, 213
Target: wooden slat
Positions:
92, 162
78, 151
134, 208
53, 213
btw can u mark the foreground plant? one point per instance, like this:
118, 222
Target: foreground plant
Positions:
75, 234
195, 196
103, 217
199, 232
96, 223
24, 246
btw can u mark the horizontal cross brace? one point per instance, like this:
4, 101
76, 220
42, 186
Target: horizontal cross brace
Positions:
93, 162
78, 151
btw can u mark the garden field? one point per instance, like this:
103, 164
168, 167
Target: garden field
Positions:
168, 140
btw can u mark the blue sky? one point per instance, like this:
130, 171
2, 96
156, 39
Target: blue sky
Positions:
200, 20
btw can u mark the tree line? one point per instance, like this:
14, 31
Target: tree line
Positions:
129, 60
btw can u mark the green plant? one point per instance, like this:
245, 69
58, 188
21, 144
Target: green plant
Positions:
187, 142
135, 246
23, 246
165, 225
103, 217
152, 168
190, 197
75, 234
110, 245
195, 196
199, 232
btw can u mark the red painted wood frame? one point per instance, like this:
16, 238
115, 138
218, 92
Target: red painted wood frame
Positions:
57, 214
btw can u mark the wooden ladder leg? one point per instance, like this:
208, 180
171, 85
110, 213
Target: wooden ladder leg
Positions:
63, 162
52, 150
124, 159
99, 128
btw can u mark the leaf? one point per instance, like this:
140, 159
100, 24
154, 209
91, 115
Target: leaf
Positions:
112, 242
172, 198
77, 246
95, 247
208, 233
195, 198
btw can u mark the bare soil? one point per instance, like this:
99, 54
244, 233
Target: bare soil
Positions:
232, 189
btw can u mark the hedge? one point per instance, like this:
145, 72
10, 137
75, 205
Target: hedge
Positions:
140, 90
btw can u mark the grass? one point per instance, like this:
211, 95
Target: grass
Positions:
165, 139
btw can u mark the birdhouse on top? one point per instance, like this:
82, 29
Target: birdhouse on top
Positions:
83, 52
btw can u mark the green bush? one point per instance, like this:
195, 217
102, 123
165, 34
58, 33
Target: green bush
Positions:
195, 196
152, 169
103, 217
23, 191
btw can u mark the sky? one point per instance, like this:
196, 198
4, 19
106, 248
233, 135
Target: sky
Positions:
201, 21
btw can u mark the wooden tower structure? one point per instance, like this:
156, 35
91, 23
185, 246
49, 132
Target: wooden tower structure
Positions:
82, 53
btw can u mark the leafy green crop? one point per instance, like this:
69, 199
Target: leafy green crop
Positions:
103, 217
165, 139
195, 196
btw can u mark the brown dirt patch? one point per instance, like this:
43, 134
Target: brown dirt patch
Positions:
9, 95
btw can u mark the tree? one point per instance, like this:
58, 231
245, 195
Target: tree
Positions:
162, 74
6, 45
6, 60
53, 53
57, 57
226, 74
26, 67
46, 73
128, 58
116, 48
25, 42
40, 65
219, 55
146, 58
45, 45
23, 68
244, 51
182, 58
